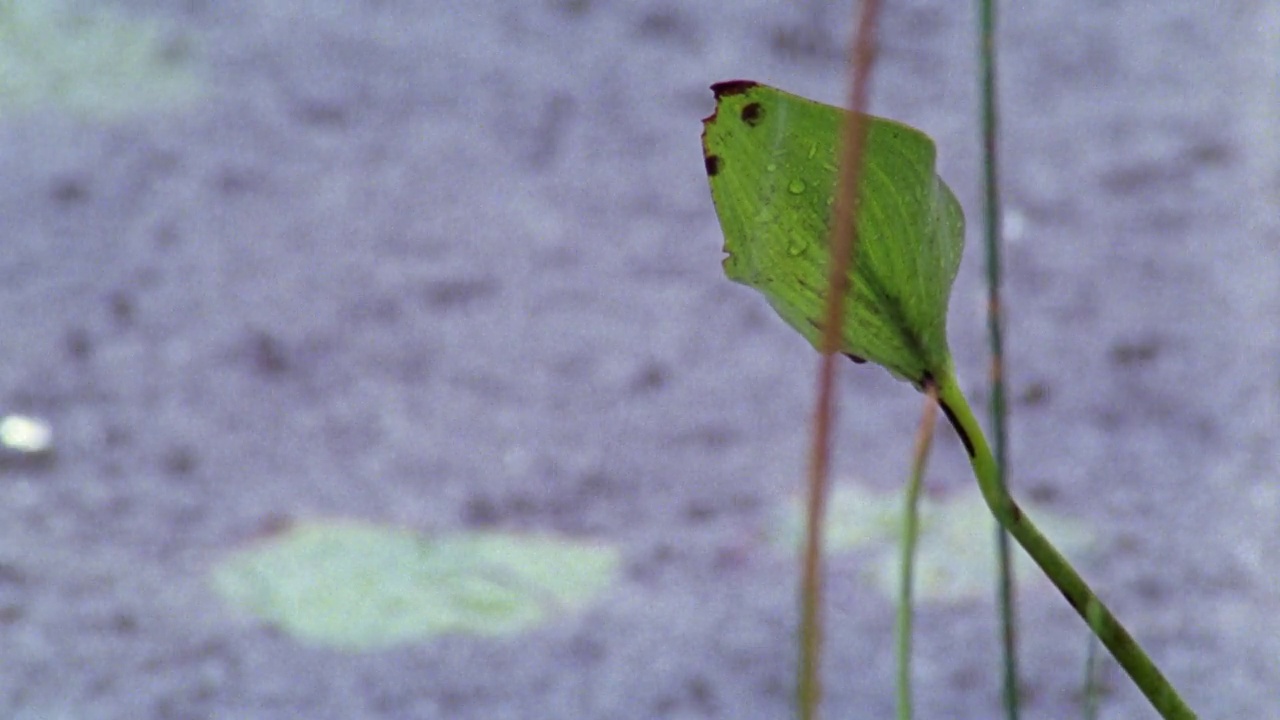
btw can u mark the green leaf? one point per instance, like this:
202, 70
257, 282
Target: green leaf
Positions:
364, 586
771, 158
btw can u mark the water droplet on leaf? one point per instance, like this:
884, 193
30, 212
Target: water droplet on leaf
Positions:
795, 187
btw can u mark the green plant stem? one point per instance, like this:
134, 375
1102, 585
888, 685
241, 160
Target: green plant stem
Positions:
910, 534
1079, 595
991, 213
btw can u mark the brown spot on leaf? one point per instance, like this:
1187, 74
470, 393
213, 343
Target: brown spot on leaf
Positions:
713, 165
732, 87
753, 114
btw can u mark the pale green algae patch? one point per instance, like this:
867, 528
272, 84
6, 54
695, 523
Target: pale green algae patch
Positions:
89, 59
364, 586
955, 558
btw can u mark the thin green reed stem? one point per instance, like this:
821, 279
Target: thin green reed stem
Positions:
1079, 595
991, 213
910, 534
842, 241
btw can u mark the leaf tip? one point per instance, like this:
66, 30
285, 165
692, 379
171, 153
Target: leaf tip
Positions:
732, 87
725, 89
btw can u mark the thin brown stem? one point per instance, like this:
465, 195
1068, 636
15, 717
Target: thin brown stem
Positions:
842, 242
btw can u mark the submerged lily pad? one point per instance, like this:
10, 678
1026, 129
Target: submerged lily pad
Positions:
366, 586
856, 518
88, 59
956, 550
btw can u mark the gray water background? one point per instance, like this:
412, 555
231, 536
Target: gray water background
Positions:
455, 264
